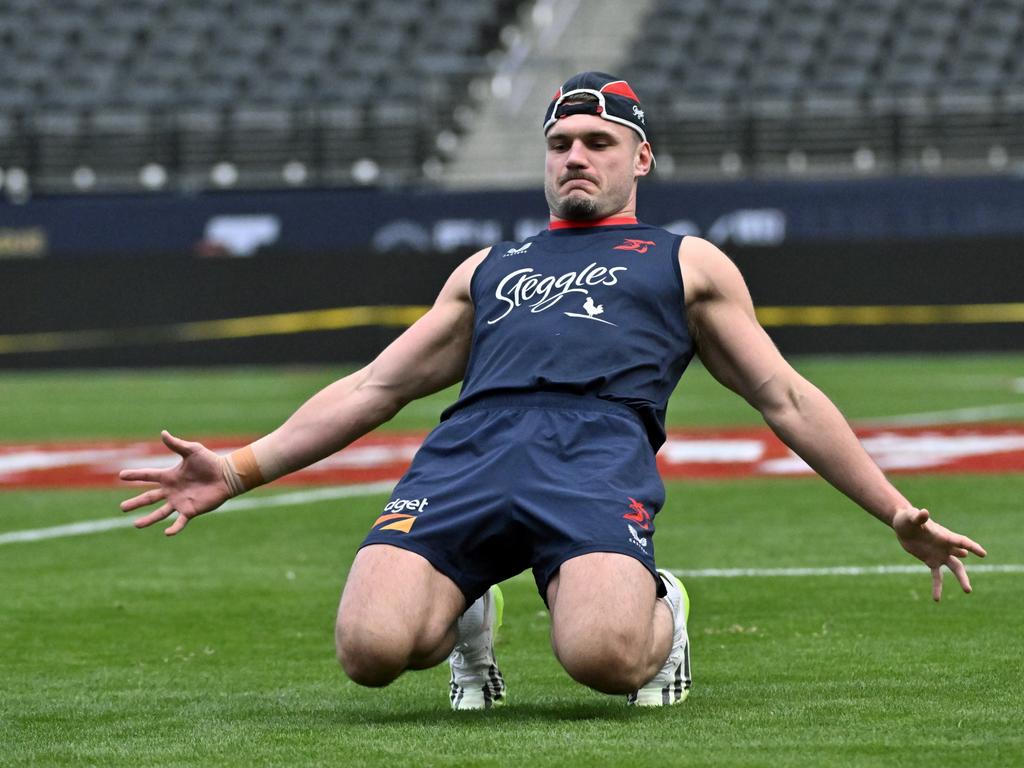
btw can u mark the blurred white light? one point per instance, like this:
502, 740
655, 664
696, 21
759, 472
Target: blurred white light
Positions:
501, 86
666, 165
998, 157
83, 177
295, 172
931, 158
543, 15
731, 163
796, 161
509, 35
17, 181
365, 171
433, 168
152, 176
447, 142
224, 174
864, 159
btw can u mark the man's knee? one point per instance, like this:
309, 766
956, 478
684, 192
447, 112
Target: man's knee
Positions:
375, 648
614, 663
367, 657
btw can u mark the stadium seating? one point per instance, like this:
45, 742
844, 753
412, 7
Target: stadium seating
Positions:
285, 91
276, 92
834, 86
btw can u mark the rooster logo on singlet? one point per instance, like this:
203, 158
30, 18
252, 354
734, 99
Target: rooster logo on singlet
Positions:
592, 310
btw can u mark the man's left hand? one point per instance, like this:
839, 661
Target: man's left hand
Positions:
935, 546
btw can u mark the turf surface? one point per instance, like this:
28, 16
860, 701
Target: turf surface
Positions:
215, 648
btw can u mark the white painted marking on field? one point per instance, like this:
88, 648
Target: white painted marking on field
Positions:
955, 416
368, 456
894, 451
35, 459
725, 451
842, 570
277, 500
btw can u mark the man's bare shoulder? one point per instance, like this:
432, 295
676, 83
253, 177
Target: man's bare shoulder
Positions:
705, 268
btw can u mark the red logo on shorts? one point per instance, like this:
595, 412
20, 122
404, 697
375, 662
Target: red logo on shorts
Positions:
632, 244
639, 515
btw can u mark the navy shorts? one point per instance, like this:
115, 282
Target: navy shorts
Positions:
516, 481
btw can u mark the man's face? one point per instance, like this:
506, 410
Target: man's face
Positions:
591, 167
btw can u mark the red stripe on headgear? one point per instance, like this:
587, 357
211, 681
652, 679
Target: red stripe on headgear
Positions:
621, 87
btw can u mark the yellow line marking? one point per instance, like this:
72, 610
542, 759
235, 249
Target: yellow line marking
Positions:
912, 314
206, 330
302, 322
403, 316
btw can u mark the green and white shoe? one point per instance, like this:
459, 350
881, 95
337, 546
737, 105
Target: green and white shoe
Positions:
672, 684
476, 681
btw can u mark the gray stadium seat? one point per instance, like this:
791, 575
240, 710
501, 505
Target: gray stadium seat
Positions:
262, 141
14, 148
343, 141
201, 142
60, 140
120, 142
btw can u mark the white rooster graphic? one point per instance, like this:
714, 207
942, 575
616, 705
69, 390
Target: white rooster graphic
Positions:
592, 309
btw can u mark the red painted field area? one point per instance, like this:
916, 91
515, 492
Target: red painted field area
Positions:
687, 454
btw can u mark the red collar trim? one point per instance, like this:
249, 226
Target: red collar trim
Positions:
609, 222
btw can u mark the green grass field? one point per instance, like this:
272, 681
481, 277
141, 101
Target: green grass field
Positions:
215, 648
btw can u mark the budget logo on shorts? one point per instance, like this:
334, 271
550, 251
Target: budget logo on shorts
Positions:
394, 519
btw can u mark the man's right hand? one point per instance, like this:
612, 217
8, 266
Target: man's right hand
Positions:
196, 485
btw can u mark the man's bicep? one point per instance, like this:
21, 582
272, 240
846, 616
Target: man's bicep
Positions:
731, 343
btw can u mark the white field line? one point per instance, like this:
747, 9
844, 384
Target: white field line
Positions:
842, 570
277, 500
955, 416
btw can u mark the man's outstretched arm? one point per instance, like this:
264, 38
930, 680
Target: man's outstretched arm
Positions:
737, 351
428, 357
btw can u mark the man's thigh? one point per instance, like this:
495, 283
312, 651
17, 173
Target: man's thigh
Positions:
392, 591
602, 595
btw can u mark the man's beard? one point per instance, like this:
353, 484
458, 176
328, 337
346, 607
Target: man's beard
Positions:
577, 208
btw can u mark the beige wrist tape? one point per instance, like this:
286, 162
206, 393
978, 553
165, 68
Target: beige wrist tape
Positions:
242, 471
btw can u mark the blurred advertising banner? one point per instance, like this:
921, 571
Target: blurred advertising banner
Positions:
739, 214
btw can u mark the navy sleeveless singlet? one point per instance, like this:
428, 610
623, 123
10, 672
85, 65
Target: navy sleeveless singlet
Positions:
594, 310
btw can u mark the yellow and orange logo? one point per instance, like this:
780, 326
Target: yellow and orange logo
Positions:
396, 521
